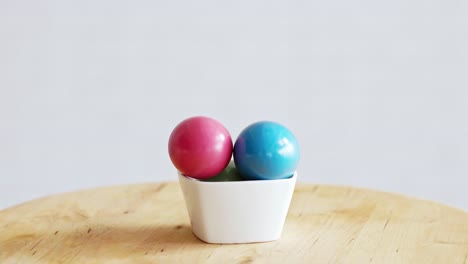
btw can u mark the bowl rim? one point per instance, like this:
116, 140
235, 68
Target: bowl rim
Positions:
245, 182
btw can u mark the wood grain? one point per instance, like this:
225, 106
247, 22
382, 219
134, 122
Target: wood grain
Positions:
149, 224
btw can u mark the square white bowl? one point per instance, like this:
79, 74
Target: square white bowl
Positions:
237, 211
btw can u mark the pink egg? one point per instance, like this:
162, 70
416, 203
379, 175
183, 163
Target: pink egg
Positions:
200, 147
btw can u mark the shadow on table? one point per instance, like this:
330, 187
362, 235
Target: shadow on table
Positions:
98, 242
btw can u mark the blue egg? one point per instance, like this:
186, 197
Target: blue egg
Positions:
266, 150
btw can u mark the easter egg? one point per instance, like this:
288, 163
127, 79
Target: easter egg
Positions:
200, 147
266, 150
230, 173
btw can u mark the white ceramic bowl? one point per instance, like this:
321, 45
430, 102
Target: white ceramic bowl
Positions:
237, 211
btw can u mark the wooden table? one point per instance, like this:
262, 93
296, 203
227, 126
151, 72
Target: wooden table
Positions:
149, 224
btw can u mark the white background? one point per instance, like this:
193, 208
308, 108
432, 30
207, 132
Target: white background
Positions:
375, 91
